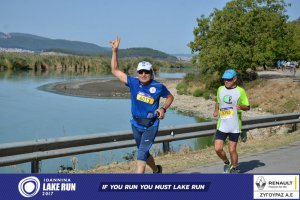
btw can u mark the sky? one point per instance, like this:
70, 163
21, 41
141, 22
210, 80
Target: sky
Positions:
164, 25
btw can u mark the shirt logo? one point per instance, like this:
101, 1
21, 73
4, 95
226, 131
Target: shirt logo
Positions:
227, 99
152, 90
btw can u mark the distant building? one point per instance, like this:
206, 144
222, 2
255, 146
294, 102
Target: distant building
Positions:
15, 50
184, 57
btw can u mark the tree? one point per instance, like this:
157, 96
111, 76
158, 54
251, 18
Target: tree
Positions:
244, 34
295, 48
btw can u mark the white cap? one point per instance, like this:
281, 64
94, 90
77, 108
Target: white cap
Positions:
144, 66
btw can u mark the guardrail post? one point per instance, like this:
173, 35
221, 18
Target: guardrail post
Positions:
294, 127
166, 147
35, 166
244, 136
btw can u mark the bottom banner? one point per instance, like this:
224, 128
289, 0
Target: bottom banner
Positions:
149, 186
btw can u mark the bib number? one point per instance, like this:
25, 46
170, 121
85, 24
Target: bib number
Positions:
226, 113
145, 98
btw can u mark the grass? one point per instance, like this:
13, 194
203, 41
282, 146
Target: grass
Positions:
274, 95
184, 159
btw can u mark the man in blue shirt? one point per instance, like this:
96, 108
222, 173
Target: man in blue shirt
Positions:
145, 95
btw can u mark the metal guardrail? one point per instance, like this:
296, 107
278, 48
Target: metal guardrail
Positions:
41, 149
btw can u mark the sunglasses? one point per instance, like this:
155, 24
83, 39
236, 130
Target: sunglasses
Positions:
144, 71
228, 80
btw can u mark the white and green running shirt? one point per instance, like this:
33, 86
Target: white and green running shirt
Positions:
230, 119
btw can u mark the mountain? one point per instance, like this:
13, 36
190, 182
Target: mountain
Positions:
142, 52
37, 43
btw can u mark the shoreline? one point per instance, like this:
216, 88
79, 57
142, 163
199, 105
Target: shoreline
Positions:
114, 89
90, 89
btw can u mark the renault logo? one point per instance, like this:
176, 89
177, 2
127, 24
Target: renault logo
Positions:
260, 183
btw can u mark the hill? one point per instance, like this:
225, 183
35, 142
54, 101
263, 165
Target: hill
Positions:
38, 44
43, 44
142, 52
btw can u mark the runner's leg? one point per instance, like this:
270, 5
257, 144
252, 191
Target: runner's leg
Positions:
233, 153
151, 163
219, 149
145, 138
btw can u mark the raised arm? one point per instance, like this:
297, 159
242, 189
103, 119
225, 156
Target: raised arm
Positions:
114, 62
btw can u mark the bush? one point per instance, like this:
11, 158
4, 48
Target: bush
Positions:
206, 94
182, 88
198, 93
254, 105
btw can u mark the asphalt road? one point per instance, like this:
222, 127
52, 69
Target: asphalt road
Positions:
285, 159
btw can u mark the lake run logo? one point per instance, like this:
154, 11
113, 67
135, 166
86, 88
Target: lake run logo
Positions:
29, 187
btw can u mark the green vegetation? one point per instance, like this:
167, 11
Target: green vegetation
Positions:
36, 62
201, 84
68, 63
295, 48
182, 88
245, 34
291, 105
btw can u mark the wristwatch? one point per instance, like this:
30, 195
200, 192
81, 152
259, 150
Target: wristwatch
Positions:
165, 110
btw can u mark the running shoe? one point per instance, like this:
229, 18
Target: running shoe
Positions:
227, 168
159, 169
234, 171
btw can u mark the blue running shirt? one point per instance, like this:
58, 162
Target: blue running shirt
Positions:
145, 98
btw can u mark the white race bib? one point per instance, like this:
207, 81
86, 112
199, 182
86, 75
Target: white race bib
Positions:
226, 113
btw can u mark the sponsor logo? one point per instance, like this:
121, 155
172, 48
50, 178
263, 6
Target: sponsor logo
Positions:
260, 183
276, 186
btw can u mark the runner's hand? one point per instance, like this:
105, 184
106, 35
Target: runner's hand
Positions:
115, 43
216, 113
160, 113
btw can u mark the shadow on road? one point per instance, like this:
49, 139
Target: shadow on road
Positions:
247, 166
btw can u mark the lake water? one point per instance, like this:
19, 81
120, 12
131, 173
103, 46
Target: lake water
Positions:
28, 113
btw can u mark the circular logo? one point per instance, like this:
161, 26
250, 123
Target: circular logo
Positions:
152, 90
227, 99
30, 186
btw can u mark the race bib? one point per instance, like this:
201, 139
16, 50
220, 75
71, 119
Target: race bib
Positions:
226, 113
146, 98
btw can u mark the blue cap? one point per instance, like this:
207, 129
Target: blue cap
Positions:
229, 74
